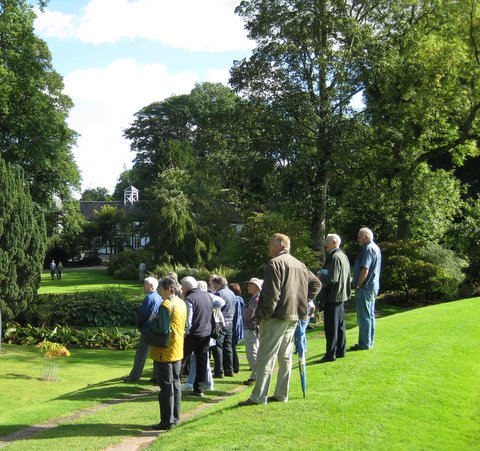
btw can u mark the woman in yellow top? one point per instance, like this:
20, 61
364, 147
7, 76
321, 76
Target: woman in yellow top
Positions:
167, 360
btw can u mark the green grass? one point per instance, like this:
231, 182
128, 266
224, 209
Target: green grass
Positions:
419, 388
86, 280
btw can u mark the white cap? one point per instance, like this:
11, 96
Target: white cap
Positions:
257, 282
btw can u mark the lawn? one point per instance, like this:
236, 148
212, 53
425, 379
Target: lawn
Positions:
419, 388
86, 280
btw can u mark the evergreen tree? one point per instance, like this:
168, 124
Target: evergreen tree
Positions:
22, 243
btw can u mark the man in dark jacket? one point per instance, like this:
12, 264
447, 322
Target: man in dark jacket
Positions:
335, 278
223, 352
199, 328
287, 287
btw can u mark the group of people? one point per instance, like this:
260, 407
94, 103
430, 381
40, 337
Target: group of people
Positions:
56, 269
273, 321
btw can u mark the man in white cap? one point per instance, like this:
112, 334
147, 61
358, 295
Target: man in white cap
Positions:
250, 326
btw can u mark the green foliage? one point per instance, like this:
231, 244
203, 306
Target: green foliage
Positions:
105, 308
22, 243
94, 194
33, 112
464, 237
423, 272
251, 248
124, 265
101, 338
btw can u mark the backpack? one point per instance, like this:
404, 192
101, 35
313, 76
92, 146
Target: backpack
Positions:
218, 322
160, 327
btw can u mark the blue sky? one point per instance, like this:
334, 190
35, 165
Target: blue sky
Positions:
117, 56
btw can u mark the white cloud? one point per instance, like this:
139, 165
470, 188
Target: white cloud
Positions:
193, 25
105, 102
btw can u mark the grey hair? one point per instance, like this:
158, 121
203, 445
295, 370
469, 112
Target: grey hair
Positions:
220, 281
169, 284
333, 237
151, 281
365, 231
203, 285
189, 283
281, 240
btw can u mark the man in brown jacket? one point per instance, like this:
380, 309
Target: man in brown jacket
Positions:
287, 287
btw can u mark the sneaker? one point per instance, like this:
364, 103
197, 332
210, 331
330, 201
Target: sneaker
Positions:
218, 375
209, 387
199, 394
187, 386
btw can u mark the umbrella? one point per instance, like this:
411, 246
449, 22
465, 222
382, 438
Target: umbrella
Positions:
302, 366
301, 348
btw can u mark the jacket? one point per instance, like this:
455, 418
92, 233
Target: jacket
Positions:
287, 287
173, 352
335, 277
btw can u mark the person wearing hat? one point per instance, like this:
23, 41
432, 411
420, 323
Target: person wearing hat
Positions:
250, 327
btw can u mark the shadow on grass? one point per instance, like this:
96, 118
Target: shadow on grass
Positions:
27, 432
112, 389
19, 376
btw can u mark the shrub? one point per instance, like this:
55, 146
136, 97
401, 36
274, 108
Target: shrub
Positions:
106, 308
70, 337
124, 265
424, 272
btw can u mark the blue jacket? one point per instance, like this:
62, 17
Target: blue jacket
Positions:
147, 310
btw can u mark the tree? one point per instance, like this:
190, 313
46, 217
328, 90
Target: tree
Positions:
306, 69
33, 112
422, 97
98, 193
22, 243
109, 226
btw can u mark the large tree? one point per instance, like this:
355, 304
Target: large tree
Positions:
306, 69
22, 243
423, 102
33, 112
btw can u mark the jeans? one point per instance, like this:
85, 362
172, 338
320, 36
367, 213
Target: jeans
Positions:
193, 372
365, 302
301, 337
222, 352
170, 391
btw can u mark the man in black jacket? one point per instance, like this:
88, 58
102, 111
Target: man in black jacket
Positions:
199, 328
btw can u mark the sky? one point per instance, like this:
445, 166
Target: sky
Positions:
118, 56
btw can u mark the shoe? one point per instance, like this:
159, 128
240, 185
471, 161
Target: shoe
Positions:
249, 382
326, 359
217, 375
247, 402
162, 427
357, 348
128, 379
209, 387
187, 386
273, 399
198, 394
229, 374
339, 356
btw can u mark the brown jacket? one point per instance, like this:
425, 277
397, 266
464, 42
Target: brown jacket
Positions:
287, 287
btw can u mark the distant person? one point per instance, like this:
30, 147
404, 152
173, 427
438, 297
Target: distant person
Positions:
53, 267
167, 360
287, 288
59, 270
237, 330
145, 313
366, 281
335, 278
142, 267
250, 327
